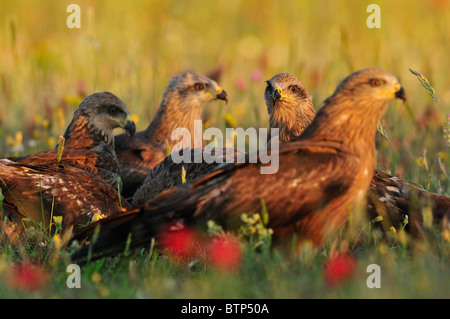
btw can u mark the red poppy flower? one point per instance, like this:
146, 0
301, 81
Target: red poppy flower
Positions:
179, 243
225, 253
339, 269
28, 277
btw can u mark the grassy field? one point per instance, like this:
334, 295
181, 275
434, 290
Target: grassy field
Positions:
132, 48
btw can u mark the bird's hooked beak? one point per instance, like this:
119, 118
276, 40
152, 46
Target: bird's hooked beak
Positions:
129, 125
400, 94
397, 92
222, 95
278, 95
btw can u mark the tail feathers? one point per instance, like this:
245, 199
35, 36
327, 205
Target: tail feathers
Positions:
120, 234
106, 237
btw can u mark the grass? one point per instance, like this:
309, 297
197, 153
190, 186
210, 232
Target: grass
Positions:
133, 48
408, 271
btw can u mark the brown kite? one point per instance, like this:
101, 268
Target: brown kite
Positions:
182, 103
291, 114
84, 181
389, 196
321, 175
291, 110
89, 139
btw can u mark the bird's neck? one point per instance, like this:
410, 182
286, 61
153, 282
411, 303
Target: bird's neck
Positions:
170, 116
291, 122
81, 134
352, 126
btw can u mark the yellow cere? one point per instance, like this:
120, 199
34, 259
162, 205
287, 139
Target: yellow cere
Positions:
397, 87
282, 95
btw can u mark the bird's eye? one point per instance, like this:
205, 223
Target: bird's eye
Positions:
112, 110
293, 88
375, 82
199, 86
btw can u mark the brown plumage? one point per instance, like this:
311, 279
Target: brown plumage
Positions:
321, 175
39, 192
395, 200
169, 173
291, 114
289, 105
182, 103
89, 139
389, 196
291, 110
84, 182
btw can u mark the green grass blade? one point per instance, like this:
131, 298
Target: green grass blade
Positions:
425, 83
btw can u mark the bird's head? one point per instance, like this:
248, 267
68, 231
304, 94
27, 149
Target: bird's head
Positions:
285, 91
105, 112
356, 107
193, 90
289, 106
375, 86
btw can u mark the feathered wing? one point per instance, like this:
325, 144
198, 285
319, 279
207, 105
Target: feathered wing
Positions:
170, 173
101, 166
311, 176
40, 191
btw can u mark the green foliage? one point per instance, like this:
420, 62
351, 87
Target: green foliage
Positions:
253, 230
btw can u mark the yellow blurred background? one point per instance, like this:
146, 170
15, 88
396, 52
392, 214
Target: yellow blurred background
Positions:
132, 48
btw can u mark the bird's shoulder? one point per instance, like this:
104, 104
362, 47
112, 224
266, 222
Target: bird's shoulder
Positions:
136, 146
319, 158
